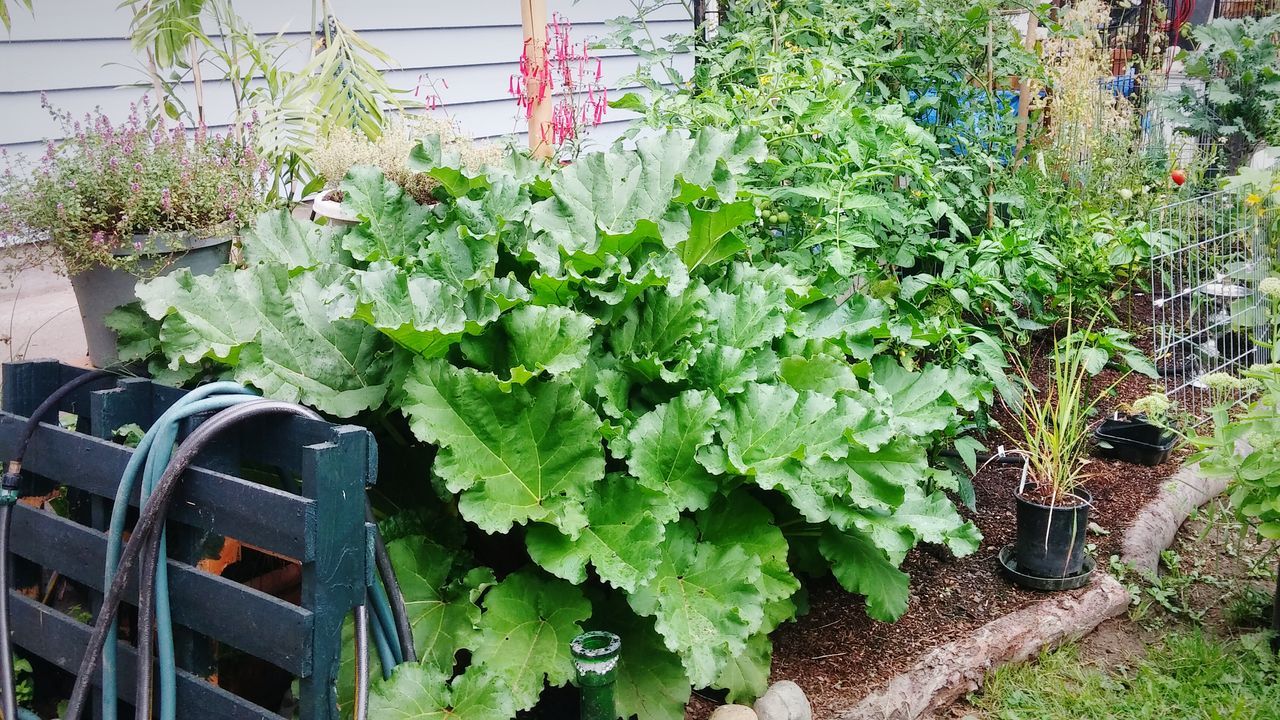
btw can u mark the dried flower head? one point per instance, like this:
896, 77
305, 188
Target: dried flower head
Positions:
344, 149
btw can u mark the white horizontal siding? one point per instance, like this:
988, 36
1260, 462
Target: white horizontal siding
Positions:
77, 51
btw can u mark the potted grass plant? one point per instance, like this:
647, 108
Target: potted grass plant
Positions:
1052, 432
114, 203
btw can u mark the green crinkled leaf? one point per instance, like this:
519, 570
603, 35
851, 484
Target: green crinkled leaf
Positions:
705, 601
768, 427
279, 237
541, 339
739, 519
528, 454
461, 262
422, 692
393, 224
709, 239
664, 447
650, 681
430, 156
728, 370
439, 597
137, 334
861, 567
336, 366
654, 338
916, 399
745, 318
746, 675
203, 315
820, 373
528, 621
854, 326
621, 538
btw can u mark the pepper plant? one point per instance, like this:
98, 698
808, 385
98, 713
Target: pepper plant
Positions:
626, 423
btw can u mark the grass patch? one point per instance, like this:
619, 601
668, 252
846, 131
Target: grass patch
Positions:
1190, 675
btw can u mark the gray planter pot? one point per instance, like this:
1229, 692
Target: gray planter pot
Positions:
101, 289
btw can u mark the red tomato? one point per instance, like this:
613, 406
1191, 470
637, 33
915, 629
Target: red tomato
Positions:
1178, 177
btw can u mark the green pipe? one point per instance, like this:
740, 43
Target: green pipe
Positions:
595, 658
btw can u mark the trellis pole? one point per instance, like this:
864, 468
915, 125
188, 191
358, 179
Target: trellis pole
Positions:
533, 15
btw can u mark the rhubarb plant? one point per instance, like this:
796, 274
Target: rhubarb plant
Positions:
663, 436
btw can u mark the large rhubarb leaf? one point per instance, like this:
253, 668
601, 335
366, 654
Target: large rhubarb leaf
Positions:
705, 600
621, 538
709, 239
655, 339
423, 692
392, 225
279, 237
861, 567
746, 318
533, 339
440, 598
746, 675
529, 620
337, 366
664, 447
203, 315
651, 682
528, 454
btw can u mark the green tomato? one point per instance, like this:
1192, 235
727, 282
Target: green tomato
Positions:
784, 217
773, 219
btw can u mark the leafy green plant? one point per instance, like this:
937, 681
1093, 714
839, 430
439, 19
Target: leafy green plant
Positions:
599, 377
1112, 346
1246, 448
288, 109
1238, 62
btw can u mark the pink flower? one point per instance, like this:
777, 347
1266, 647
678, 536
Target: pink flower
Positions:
134, 187
166, 200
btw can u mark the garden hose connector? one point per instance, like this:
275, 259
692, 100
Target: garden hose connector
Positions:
11, 483
595, 659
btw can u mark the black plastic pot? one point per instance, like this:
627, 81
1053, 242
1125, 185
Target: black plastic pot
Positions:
1050, 541
1134, 440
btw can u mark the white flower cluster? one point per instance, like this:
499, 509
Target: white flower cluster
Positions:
1270, 287
344, 149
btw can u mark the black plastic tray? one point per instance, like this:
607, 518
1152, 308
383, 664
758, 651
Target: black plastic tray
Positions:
1009, 568
1134, 440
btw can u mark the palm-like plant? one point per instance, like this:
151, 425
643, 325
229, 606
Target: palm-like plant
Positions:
341, 84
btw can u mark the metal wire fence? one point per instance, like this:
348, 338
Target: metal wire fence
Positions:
1208, 314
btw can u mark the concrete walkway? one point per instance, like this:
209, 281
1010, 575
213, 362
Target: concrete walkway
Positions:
39, 317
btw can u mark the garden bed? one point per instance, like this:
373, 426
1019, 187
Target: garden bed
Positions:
838, 655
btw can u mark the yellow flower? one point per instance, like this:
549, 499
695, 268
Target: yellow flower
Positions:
1253, 199
765, 79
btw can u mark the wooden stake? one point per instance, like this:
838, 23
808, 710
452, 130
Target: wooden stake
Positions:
1024, 85
533, 15
197, 82
991, 95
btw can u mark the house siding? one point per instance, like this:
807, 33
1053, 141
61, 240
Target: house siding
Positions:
77, 51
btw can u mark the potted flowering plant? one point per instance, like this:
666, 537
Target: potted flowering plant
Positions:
113, 203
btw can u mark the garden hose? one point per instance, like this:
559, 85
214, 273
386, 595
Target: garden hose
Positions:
146, 532
391, 630
144, 547
9, 492
149, 458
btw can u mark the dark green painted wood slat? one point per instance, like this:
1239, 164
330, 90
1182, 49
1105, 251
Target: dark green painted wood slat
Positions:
254, 622
271, 519
61, 640
27, 384
335, 582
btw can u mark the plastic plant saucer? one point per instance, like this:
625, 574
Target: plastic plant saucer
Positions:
1009, 568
